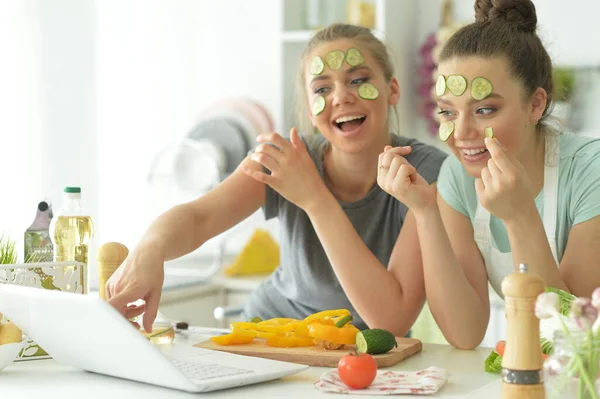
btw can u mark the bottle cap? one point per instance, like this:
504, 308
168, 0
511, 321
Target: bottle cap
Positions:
72, 190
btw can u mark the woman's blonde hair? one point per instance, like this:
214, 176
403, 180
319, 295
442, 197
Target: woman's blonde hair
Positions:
332, 33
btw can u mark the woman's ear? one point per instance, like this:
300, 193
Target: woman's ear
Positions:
539, 99
394, 92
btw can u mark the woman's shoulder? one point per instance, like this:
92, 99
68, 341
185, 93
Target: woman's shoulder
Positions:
579, 146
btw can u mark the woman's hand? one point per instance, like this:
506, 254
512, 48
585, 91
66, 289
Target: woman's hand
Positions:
293, 172
504, 188
140, 276
400, 179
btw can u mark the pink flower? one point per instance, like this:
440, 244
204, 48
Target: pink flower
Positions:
547, 305
583, 313
596, 298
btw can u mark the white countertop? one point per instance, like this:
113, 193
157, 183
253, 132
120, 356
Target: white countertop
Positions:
49, 380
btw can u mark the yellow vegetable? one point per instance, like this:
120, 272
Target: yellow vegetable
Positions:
259, 256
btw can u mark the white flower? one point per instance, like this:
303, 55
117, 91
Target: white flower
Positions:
547, 305
596, 298
583, 313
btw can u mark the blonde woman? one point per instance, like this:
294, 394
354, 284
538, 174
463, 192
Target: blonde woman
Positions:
344, 242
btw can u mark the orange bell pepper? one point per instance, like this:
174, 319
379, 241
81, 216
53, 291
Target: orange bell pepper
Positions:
238, 337
345, 335
289, 341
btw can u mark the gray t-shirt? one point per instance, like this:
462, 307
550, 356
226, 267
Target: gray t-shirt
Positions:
305, 282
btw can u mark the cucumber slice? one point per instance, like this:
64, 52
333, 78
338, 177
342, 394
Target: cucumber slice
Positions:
480, 88
489, 132
335, 59
445, 130
354, 57
255, 319
457, 84
318, 105
440, 86
368, 91
316, 65
375, 341
343, 321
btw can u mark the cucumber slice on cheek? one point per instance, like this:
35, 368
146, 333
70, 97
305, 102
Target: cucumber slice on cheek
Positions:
316, 65
480, 88
367, 91
335, 59
318, 105
446, 129
457, 84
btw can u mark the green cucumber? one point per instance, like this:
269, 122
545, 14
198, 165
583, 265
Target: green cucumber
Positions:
343, 321
489, 132
318, 105
335, 59
354, 57
316, 65
480, 88
375, 341
255, 319
440, 86
368, 91
446, 129
457, 84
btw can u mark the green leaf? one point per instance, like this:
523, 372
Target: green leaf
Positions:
565, 299
493, 363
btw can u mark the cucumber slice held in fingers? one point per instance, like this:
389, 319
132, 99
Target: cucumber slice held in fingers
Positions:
488, 132
335, 59
480, 88
354, 57
457, 84
318, 105
446, 129
316, 65
440, 86
367, 91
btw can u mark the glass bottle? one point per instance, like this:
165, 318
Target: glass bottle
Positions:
38, 244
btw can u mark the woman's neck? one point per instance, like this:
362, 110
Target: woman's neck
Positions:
350, 177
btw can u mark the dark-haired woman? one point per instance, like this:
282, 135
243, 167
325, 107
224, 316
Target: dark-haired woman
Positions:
516, 191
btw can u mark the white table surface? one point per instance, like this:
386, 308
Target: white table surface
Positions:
47, 379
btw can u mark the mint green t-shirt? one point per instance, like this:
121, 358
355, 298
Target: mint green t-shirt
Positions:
578, 189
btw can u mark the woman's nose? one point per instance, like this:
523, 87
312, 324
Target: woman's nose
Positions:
343, 95
464, 129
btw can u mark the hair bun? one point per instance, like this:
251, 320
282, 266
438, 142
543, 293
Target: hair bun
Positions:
519, 13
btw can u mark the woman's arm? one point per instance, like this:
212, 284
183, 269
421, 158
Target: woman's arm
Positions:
455, 276
389, 299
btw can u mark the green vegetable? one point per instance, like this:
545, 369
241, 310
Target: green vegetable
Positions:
375, 341
457, 84
316, 65
318, 105
335, 59
354, 57
565, 299
480, 88
445, 130
489, 132
343, 321
255, 319
440, 86
368, 91
493, 363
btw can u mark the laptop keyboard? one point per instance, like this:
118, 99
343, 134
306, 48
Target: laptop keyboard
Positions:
205, 371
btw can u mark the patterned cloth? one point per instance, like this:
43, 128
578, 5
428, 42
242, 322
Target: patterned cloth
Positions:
423, 382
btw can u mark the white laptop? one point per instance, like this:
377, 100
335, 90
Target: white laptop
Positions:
86, 332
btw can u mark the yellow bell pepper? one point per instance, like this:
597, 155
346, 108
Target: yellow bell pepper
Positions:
243, 325
289, 341
277, 325
345, 335
238, 337
325, 317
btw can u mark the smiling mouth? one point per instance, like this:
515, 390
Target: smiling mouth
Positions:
350, 125
473, 152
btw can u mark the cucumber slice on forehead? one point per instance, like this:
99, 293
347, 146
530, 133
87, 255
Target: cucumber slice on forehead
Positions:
440, 86
457, 84
368, 91
480, 88
354, 57
318, 105
446, 129
489, 132
335, 59
316, 65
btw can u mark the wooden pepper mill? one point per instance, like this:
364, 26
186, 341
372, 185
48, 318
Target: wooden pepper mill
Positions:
522, 359
109, 258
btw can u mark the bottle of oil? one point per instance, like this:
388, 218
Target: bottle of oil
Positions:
71, 229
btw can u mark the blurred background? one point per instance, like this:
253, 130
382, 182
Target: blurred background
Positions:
148, 103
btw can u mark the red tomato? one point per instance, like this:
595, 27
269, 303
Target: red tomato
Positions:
357, 371
500, 347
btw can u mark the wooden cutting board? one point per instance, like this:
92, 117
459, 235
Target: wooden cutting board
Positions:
314, 356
